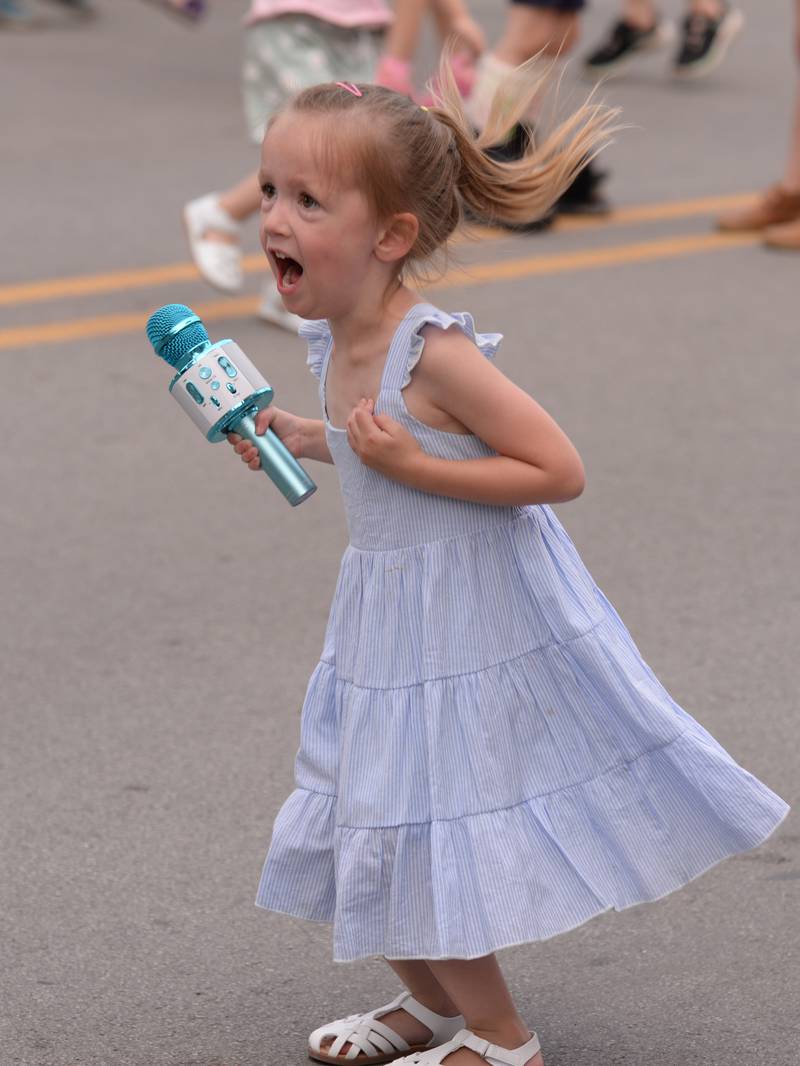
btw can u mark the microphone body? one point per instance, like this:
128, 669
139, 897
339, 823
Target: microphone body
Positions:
222, 392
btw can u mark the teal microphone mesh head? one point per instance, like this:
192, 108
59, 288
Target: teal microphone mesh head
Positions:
175, 332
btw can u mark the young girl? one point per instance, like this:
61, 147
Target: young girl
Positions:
485, 759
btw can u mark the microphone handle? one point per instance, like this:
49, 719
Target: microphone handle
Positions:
277, 462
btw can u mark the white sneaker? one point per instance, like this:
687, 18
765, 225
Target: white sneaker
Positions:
271, 309
219, 262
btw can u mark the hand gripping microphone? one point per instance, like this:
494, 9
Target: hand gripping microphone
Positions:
222, 392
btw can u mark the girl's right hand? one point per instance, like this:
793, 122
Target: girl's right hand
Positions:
286, 425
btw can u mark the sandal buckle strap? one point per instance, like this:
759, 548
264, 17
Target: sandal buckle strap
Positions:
426, 1015
513, 1056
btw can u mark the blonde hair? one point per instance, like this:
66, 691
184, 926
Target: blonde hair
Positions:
427, 161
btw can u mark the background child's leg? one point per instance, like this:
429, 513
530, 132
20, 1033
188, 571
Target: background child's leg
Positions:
530, 30
639, 13
394, 67
242, 200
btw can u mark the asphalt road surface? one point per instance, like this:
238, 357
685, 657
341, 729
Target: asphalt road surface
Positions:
163, 607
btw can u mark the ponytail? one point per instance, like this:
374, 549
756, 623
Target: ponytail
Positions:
525, 189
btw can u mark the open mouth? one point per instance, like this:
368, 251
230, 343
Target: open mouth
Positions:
289, 272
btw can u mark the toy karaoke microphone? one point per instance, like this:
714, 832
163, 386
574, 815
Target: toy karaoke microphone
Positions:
222, 392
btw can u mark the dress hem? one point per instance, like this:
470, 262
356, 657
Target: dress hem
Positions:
534, 940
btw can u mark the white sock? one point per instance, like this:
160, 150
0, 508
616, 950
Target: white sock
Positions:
490, 73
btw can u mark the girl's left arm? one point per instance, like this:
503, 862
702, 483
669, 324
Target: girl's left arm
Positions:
537, 462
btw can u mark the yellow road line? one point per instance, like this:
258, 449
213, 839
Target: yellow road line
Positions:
626, 216
623, 216
113, 325
597, 257
645, 251
127, 280
118, 281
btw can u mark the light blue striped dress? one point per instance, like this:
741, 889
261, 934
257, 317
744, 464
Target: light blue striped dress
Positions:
485, 759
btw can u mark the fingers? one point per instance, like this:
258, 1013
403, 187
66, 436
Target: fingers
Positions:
263, 419
247, 451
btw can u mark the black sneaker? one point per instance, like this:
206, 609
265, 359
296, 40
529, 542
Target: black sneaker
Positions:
705, 42
513, 148
625, 41
584, 197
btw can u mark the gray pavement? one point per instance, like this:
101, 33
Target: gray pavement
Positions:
163, 607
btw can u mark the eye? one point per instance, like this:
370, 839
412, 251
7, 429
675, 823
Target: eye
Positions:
307, 200
267, 190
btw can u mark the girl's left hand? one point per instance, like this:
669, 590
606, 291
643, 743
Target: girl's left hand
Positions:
380, 442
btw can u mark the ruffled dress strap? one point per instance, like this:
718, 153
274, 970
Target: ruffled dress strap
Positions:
408, 343
318, 335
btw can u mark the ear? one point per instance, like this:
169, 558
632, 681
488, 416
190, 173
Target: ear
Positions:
396, 237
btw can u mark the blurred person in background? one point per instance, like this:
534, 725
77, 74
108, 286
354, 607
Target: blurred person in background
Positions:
191, 10
707, 30
549, 28
17, 14
289, 45
776, 212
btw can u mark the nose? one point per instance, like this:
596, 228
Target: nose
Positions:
274, 219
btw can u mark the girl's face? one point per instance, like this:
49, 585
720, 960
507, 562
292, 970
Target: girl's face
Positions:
318, 237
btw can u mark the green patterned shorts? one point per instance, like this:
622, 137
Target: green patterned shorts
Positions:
291, 52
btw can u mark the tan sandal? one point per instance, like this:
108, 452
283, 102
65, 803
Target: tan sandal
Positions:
372, 1042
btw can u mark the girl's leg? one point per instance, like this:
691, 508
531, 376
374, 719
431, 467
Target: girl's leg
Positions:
713, 9
394, 66
403, 34
423, 986
639, 13
530, 30
478, 989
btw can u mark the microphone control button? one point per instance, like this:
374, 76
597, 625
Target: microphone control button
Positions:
230, 388
194, 392
215, 385
205, 372
227, 366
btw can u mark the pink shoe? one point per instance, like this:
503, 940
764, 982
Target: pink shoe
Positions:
394, 74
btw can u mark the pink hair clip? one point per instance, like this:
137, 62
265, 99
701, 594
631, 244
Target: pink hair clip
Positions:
354, 89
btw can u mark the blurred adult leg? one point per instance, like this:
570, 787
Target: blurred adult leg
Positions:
776, 212
787, 235
547, 28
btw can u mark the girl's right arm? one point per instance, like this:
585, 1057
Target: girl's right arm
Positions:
304, 437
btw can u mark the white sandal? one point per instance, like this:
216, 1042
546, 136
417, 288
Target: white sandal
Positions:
494, 1055
372, 1042
219, 262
